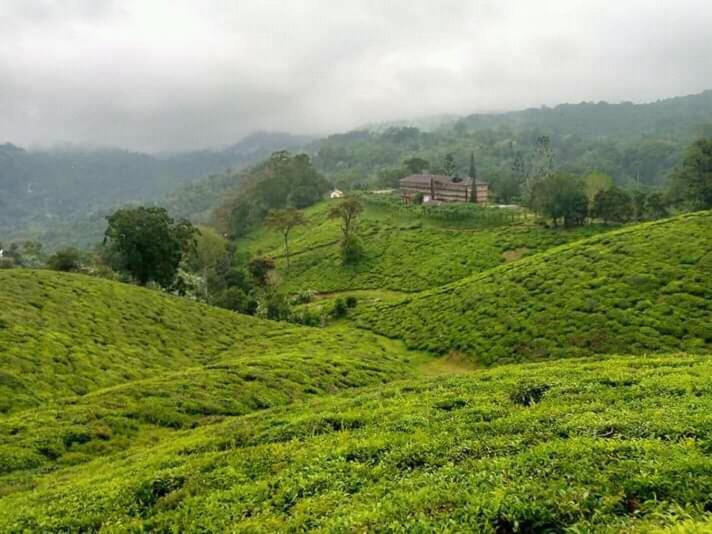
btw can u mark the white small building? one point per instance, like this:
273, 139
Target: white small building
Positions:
336, 194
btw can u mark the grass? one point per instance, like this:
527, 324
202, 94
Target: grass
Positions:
403, 251
646, 288
614, 444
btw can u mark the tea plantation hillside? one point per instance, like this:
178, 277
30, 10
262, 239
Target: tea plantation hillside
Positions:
89, 366
619, 444
404, 249
63, 335
647, 288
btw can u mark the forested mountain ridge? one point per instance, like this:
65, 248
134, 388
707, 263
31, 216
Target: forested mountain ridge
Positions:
61, 197
58, 195
636, 144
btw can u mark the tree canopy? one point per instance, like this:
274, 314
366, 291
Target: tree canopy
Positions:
694, 177
148, 244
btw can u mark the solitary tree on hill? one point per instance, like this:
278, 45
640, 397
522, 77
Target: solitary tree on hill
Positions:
694, 177
148, 244
284, 221
348, 211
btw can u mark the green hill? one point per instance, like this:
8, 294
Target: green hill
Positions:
88, 366
405, 248
613, 445
646, 288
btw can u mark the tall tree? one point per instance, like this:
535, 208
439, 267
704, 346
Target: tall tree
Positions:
148, 244
561, 197
595, 182
284, 221
348, 211
473, 169
450, 166
473, 175
693, 179
613, 205
416, 165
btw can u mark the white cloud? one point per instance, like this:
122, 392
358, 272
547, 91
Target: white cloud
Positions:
154, 74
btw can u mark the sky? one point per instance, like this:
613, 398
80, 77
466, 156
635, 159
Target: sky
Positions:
158, 75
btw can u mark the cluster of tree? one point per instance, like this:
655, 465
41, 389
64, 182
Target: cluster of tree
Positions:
692, 181
30, 254
638, 145
283, 181
570, 200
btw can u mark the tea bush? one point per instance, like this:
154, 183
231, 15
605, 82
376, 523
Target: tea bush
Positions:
646, 288
618, 444
401, 251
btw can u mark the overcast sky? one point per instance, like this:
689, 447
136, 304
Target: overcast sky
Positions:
174, 74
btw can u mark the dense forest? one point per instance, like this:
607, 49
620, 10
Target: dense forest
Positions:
637, 145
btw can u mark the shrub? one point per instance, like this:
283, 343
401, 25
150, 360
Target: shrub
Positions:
67, 260
303, 297
528, 394
235, 299
351, 301
340, 309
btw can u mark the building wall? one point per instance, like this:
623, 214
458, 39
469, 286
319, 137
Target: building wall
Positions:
445, 192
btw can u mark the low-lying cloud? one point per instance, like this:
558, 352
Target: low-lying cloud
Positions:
166, 75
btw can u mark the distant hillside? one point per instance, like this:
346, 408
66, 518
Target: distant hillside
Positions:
647, 288
637, 144
682, 116
61, 196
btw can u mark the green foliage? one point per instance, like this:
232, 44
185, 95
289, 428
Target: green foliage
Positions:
694, 177
613, 205
260, 269
284, 221
647, 288
416, 165
405, 248
91, 367
235, 299
616, 444
596, 182
283, 181
67, 260
340, 309
560, 197
351, 250
148, 244
61, 196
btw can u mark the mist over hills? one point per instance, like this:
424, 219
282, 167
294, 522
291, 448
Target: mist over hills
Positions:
60, 196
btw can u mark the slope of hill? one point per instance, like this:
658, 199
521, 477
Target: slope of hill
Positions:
88, 366
614, 445
404, 250
646, 288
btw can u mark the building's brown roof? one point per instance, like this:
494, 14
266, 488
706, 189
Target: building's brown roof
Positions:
425, 179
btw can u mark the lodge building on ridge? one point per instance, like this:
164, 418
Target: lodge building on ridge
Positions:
439, 188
